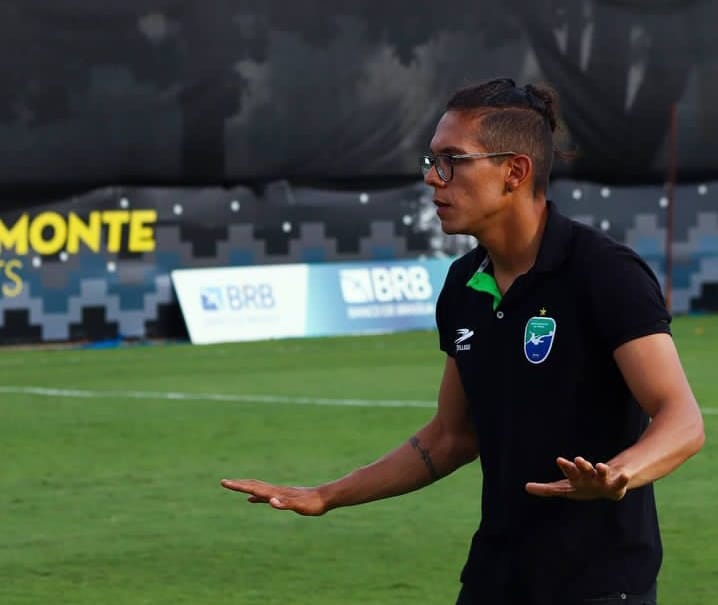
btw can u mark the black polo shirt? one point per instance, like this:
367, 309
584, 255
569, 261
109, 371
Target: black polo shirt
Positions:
538, 369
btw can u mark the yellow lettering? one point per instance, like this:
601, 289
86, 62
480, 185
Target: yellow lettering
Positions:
89, 233
114, 219
16, 289
49, 232
16, 236
142, 235
56, 241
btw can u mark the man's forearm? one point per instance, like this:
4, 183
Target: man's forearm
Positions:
668, 441
653, 373
416, 463
425, 456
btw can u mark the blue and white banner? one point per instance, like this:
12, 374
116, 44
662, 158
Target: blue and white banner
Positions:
247, 303
280, 301
351, 298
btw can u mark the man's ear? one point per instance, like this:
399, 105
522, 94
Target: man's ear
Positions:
519, 170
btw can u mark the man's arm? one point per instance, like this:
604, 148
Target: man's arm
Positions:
447, 442
652, 370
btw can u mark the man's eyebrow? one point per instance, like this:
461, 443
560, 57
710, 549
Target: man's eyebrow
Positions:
449, 151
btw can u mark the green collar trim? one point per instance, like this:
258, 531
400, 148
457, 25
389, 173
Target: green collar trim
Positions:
483, 282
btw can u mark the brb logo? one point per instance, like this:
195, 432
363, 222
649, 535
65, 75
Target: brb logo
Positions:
211, 299
385, 284
243, 297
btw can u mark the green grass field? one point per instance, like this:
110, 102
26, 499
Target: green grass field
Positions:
111, 460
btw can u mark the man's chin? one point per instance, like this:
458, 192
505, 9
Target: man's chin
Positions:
450, 229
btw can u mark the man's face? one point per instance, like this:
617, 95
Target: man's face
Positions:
472, 199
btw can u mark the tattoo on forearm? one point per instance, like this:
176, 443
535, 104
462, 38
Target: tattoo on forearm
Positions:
424, 453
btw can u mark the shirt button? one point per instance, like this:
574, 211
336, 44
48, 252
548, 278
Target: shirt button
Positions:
500, 314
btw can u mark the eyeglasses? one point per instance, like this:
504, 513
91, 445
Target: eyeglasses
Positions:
444, 162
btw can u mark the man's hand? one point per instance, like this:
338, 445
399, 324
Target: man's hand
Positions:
302, 500
583, 481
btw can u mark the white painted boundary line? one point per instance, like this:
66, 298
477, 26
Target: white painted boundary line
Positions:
156, 395
280, 399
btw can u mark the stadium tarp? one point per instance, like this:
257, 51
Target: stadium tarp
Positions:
182, 92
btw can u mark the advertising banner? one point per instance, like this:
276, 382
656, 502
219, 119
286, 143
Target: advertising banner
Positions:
247, 303
97, 267
331, 299
355, 298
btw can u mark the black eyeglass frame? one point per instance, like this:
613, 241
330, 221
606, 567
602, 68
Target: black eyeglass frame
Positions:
428, 161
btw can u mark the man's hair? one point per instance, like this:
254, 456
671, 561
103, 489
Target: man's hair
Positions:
514, 119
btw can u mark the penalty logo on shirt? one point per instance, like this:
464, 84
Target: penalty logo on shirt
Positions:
538, 338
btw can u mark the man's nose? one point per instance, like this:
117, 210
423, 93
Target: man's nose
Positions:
433, 179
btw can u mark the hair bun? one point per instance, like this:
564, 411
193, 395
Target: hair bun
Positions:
543, 100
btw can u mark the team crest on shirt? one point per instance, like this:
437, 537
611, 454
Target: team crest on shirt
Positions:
539, 335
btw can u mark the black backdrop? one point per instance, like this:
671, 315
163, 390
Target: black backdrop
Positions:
183, 92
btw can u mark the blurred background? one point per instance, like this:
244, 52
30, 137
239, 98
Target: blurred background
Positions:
264, 157
140, 137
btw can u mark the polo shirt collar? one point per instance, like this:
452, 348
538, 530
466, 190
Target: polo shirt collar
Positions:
554, 242
552, 252
553, 248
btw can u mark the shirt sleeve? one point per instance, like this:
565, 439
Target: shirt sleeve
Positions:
625, 297
450, 291
443, 313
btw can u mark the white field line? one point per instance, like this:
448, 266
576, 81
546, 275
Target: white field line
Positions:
239, 398
281, 399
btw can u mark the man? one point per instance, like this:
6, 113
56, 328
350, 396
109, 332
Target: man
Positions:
558, 353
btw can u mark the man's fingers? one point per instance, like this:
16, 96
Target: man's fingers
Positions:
584, 465
239, 485
304, 501
583, 481
602, 470
604, 473
622, 481
569, 469
275, 502
548, 490
539, 489
256, 489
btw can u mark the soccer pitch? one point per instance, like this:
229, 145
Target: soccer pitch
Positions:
109, 489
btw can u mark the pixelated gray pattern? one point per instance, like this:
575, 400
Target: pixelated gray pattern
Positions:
93, 292
55, 274
648, 239
313, 236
